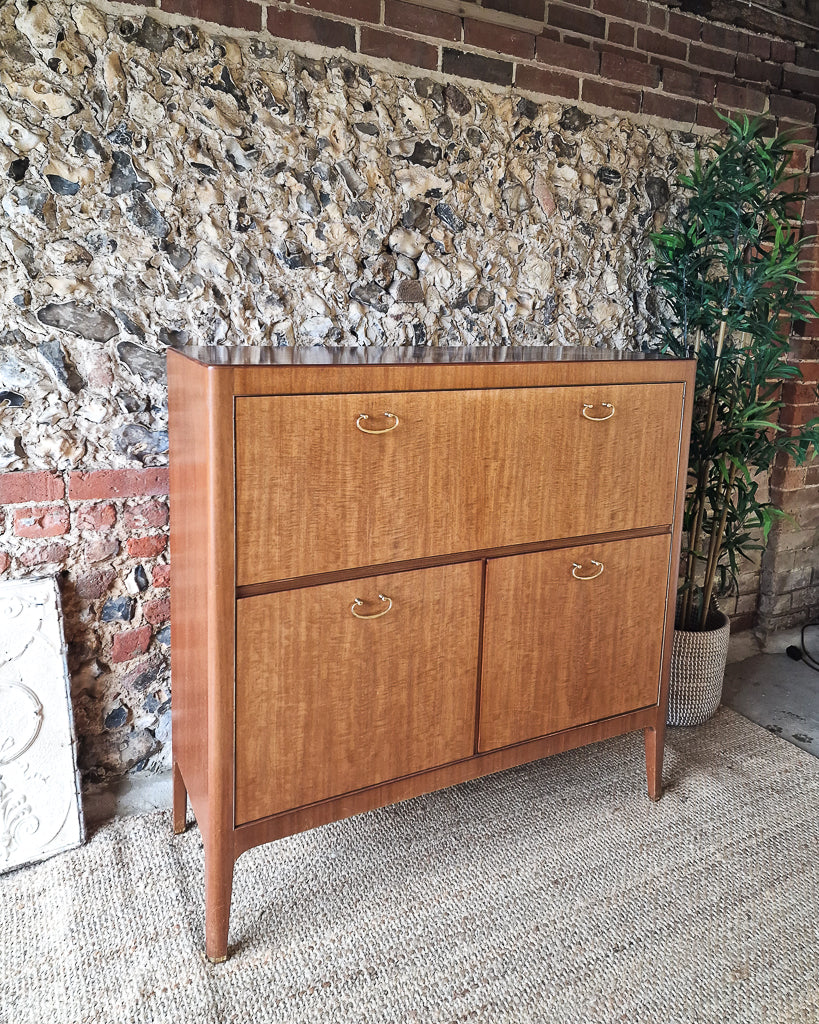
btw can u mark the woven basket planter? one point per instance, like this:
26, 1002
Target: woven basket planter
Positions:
697, 671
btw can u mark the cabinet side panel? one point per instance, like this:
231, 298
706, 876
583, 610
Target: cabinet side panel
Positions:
188, 436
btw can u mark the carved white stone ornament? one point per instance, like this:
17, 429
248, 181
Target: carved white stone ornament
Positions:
40, 802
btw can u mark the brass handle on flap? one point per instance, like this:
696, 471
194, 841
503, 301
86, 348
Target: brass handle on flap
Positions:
594, 575
598, 419
366, 430
357, 603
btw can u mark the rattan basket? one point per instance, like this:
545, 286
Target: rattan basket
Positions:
697, 671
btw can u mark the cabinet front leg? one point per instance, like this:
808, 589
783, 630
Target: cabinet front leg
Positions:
655, 742
218, 888
180, 801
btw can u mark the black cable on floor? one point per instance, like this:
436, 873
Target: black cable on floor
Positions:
802, 653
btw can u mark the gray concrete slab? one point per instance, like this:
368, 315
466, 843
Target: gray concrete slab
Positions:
778, 693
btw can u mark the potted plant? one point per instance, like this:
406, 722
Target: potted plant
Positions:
728, 271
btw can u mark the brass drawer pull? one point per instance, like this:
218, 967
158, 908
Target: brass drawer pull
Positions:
357, 603
366, 430
594, 575
598, 419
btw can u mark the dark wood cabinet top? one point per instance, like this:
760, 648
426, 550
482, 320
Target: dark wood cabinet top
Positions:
406, 355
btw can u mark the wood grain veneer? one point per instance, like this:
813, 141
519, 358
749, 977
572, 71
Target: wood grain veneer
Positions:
559, 651
345, 498
289, 712
327, 703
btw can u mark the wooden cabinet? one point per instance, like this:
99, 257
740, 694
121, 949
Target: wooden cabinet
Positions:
394, 570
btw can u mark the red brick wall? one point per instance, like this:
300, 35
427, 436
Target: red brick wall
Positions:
790, 577
627, 55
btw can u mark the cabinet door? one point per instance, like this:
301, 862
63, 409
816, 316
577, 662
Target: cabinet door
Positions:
571, 636
327, 702
329, 482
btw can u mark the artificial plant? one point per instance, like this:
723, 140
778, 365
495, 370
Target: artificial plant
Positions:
728, 270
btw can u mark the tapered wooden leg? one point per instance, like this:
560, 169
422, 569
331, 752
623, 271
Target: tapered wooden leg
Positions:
218, 888
655, 742
180, 801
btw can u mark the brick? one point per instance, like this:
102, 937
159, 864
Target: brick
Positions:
620, 51
717, 60
101, 548
571, 40
56, 551
654, 42
157, 610
621, 34
41, 522
117, 483
147, 547
549, 83
783, 51
657, 17
473, 65
5, 561
130, 643
398, 48
307, 28
699, 87
682, 25
659, 104
92, 585
96, 517
233, 13
16, 488
752, 70
534, 9
790, 477
161, 575
501, 40
807, 57
422, 20
630, 72
718, 35
739, 98
629, 10
585, 23
604, 95
148, 515
360, 10
796, 415
801, 82
759, 46
707, 117
567, 58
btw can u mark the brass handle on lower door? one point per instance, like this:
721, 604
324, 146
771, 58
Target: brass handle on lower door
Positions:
366, 430
357, 603
594, 575
598, 419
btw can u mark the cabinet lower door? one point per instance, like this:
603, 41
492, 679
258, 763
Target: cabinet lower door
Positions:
343, 686
571, 636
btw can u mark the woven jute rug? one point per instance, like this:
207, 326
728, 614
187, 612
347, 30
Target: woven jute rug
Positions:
552, 893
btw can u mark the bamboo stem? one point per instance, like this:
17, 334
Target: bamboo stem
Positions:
702, 478
714, 546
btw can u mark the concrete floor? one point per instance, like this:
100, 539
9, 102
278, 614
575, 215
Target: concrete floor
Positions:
764, 685
772, 690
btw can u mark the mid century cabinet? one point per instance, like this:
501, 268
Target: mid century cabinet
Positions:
398, 569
